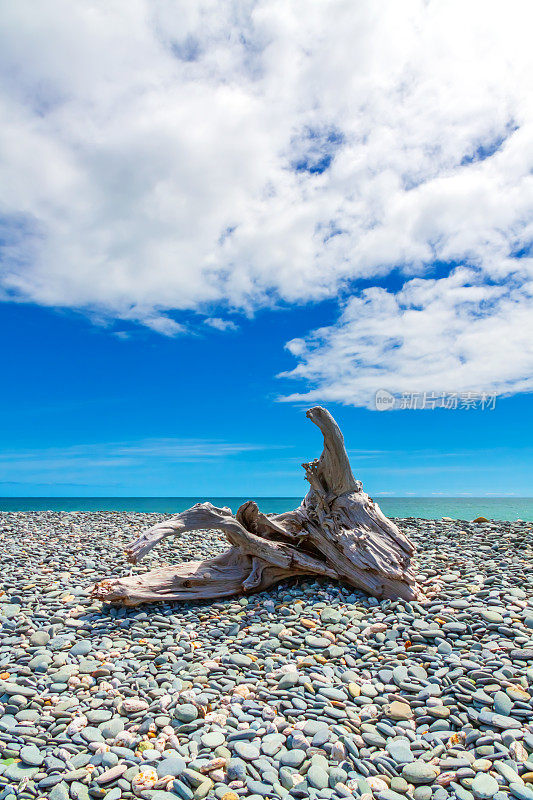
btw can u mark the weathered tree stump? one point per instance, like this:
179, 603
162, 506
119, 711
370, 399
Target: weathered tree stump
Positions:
338, 531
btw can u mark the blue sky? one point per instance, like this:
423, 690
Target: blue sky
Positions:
309, 202
85, 412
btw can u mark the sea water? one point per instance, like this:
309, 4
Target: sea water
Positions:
502, 508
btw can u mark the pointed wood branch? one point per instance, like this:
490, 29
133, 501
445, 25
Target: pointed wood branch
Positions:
337, 532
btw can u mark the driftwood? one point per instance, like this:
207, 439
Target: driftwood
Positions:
338, 531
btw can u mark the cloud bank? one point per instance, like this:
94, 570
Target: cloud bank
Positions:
450, 335
159, 157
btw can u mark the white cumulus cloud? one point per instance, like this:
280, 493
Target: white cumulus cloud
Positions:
449, 335
159, 157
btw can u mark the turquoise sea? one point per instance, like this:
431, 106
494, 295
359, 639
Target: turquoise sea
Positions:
506, 508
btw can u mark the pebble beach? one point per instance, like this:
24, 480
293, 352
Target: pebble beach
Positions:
311, 689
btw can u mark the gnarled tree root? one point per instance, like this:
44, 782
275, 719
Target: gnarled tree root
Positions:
337, 532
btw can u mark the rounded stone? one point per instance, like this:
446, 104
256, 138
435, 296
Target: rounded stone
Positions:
400, 751
173, 765
186, 712
213, 739
31, 755
39, 639
521, 792
317, 777
292, 758
484, 786
81, 648
422, 793
240, 660
236, 769
111, 728
318, 642
288, 680
246, 750
419, 772
59, 792
398, 711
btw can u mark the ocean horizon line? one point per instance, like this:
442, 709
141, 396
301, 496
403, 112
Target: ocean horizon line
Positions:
504, 507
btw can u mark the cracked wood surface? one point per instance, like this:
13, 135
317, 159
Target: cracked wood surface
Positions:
338, 532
